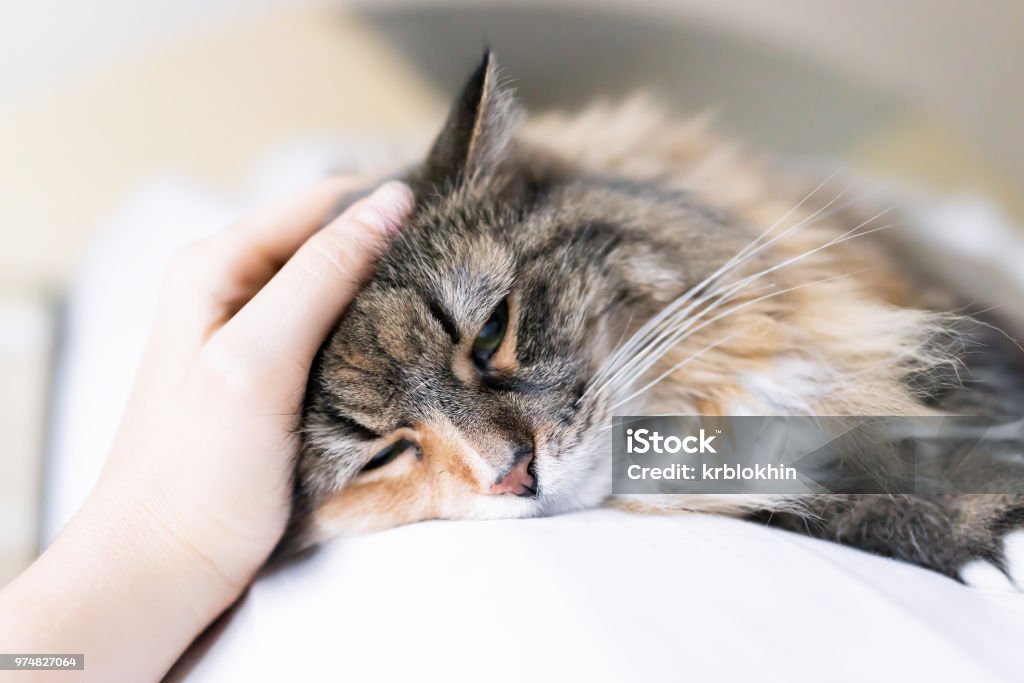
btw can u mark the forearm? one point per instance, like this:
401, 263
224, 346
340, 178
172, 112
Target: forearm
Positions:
116, 587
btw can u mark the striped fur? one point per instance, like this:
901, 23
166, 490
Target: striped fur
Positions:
649, 268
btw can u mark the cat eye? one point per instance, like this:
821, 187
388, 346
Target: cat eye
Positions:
491, 334
387, 455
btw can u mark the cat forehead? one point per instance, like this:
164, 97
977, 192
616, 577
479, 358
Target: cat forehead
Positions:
461, 280
464, 256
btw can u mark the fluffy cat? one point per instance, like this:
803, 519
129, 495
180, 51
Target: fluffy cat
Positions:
563, 269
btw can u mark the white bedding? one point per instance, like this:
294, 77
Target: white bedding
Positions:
595, 596
607, 596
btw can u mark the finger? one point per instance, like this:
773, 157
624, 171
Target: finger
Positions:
210, 281
291, 316
277, 231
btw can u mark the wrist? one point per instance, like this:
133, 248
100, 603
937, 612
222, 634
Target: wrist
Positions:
173, 550
118, 573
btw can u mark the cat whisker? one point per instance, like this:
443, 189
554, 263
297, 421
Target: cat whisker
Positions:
752, 278
609, 425
652, 354
653, 332
677, 366
680, 322
725, 314
651, 326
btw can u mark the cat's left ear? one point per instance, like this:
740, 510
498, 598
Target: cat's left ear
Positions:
478, 132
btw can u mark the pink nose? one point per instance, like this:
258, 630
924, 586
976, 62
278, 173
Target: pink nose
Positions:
517, 480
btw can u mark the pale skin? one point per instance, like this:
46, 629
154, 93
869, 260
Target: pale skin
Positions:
195, 492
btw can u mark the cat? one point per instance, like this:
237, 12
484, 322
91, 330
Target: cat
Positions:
475, 375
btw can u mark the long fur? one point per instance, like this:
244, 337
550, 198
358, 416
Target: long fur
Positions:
648, 267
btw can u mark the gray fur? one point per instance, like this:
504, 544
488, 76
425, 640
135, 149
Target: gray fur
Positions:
588, 256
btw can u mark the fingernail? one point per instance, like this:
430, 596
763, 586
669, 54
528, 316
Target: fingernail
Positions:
387, 208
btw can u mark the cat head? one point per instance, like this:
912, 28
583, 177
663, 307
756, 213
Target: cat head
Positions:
456, 384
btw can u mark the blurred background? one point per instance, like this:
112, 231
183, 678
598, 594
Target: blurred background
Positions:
102, 102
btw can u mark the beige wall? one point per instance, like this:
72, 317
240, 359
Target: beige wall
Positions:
202, 106
94, 97
963, 58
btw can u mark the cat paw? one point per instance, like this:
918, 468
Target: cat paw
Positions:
1013, 551
986, 575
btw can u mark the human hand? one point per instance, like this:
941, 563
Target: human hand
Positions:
207, 445
196, 490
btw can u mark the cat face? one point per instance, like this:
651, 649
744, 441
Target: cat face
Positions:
456, 385
452, 388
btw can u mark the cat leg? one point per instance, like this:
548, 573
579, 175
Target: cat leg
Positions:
976, 539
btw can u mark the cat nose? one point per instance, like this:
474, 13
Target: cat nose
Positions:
518, 479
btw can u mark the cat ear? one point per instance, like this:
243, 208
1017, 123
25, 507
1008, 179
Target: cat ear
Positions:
478, 131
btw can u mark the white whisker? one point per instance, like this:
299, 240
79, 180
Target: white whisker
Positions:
649, 328
671, 336
671, 370
725, 314
654, 332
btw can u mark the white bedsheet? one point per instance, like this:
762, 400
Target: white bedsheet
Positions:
595, 596
607, 596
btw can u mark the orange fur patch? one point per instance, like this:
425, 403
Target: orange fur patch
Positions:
436, 485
